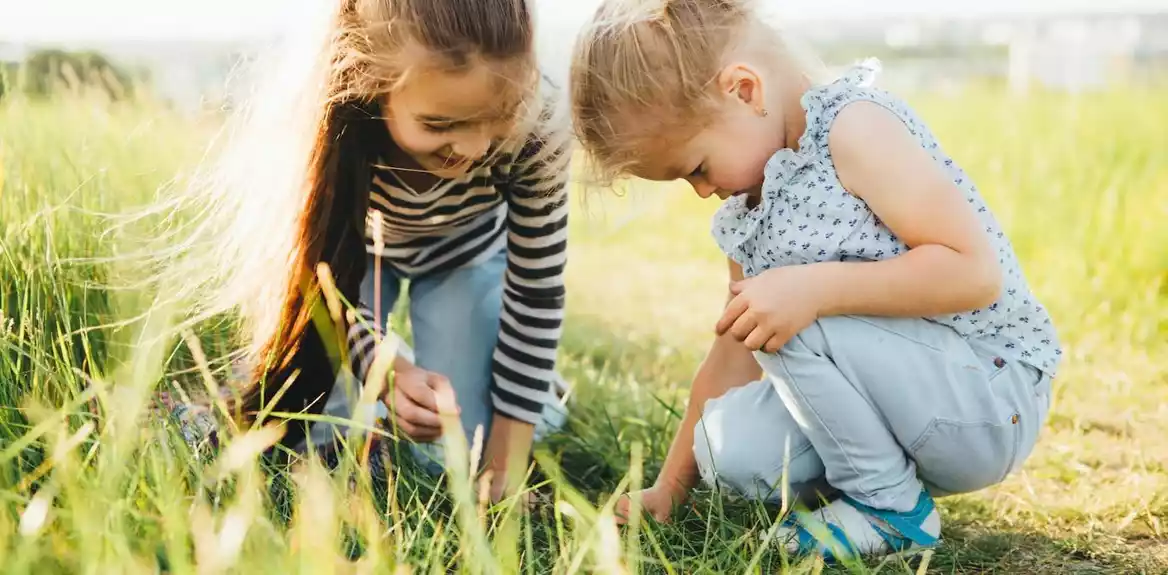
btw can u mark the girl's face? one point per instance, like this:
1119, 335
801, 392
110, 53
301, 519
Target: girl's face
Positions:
728, 157
445, 121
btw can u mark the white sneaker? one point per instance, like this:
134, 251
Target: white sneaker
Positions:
846, 529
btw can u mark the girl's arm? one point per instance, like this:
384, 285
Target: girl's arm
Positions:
533, 301
412, 400
533, 285
727, 365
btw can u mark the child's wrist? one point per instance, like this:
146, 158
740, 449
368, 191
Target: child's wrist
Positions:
678, 491
509, 442
825, 295
401, 363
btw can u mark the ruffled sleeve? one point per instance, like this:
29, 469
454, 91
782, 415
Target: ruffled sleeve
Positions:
736, 226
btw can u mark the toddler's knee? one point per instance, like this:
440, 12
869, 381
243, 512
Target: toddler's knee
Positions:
741, 447
722, 456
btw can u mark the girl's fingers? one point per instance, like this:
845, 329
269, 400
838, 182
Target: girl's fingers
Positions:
416, 432
419, 392
444, 397
405, 427
415, 414
621, 513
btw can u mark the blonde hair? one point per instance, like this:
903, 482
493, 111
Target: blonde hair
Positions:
291, 188
644, 69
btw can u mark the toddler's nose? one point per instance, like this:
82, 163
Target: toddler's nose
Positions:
703, 189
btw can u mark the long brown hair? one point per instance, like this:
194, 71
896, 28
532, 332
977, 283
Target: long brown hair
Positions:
293, 187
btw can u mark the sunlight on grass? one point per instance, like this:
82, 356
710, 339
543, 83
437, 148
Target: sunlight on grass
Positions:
91, 483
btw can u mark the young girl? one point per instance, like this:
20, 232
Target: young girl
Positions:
879, 335
432, 156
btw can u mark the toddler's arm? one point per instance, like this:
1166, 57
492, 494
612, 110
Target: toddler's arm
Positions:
727, 365
951, 266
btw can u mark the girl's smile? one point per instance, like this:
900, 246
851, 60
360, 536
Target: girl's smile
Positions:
453, 119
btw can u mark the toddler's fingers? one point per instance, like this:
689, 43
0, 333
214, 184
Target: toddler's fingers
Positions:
758, 338
734, 309
743, 326
775, 344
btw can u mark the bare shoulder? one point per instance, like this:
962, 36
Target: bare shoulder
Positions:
861, 124
867, 139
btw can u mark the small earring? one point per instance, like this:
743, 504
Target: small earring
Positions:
764, 113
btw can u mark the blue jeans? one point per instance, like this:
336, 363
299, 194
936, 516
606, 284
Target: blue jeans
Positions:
454, 317
875, 407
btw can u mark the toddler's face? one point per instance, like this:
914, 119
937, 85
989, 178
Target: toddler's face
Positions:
728, 156
445, 121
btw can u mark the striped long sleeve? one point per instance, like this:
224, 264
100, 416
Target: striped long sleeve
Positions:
363, 336
533, 293
531, 321
516, 202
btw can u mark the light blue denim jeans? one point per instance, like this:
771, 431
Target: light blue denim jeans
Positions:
874, 408
454, 317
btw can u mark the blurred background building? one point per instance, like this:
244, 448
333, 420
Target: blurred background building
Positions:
1065, 51
1052, 44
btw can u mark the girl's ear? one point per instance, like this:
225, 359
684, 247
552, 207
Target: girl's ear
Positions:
743, 84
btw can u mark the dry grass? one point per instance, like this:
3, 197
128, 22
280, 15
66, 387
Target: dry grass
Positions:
1081, 184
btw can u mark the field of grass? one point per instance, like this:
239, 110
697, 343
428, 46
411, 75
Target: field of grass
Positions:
88, 483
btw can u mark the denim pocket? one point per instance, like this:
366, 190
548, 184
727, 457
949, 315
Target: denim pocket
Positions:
960, 457
1033, 419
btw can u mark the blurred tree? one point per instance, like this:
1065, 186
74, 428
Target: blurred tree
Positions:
8, 75
48, 72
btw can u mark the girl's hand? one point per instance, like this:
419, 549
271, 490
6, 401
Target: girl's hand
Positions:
506, 456
414, 404
658, 501
772, 307
502, 488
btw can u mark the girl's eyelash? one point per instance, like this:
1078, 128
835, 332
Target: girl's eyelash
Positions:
440, 127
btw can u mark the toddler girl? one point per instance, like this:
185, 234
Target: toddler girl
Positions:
880, 344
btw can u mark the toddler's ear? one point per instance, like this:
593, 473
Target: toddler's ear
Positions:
742, 83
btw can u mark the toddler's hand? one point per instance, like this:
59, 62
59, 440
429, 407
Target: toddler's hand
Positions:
771, 308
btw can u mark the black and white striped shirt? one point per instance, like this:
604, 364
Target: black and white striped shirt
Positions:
518, 203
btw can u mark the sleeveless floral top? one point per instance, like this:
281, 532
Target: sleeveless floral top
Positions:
805, 215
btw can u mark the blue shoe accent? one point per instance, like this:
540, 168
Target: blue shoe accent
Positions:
809, 544
907, 526
905, 530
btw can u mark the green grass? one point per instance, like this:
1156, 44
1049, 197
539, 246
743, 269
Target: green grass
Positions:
1081, 183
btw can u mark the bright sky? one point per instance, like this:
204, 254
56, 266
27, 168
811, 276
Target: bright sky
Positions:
112, 20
